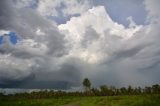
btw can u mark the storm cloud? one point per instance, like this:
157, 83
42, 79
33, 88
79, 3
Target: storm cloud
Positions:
90, 44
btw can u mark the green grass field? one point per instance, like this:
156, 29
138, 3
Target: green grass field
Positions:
141, 100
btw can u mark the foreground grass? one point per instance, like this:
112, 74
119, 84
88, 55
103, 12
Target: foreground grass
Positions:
141, 100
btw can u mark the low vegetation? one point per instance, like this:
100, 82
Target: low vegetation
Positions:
102, 96
134, 100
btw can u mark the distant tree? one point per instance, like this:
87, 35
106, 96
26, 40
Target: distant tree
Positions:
1, 94
87, 84
156, 88
148, 90
117, 92
123, 90
139, 90
95, 91
104, 90
113, 90
135, 91
130, 89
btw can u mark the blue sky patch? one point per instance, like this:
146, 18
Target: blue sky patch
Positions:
12, 36
1, 39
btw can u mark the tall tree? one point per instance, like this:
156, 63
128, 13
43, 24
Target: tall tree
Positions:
87, 84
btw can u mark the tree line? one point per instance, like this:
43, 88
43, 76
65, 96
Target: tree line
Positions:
103, 90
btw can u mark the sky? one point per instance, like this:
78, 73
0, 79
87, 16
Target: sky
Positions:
57, 43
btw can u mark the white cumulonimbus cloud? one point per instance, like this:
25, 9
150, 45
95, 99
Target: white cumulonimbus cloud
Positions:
89, 45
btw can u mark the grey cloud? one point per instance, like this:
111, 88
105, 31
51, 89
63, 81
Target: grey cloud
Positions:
128, 53
67, 76
136, 61
90, 36
25, 22
70, 70
10, 83
26, 4
7, 16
